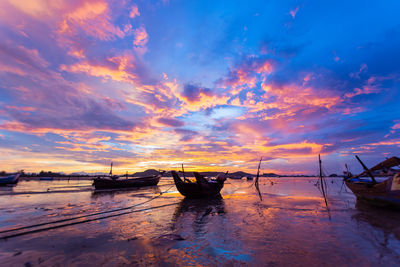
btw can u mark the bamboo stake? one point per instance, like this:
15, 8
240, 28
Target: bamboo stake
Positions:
322, 182
111, 168
256, 182
184, 177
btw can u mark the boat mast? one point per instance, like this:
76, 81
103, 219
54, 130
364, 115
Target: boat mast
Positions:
111, 168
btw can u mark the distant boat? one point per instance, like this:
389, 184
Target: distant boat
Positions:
119, 182
249, 178
378, 193
10, 179
236, 177
46, 178
202, 188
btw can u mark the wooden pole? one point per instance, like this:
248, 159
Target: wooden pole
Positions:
366, 169
256, 182
184, 177
322, 182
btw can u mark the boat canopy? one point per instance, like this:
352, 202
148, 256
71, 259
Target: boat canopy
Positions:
386, 164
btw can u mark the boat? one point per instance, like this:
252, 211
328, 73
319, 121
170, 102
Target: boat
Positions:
249, 178
383, 193
10, 179
201, 188
114, 181
46, 178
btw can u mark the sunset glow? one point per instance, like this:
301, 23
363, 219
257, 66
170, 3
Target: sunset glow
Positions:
213, 85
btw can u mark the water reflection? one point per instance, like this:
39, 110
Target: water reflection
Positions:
197, 213
385, 219
136, 191
289, 227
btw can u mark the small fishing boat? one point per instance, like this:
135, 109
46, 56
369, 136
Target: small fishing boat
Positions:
10, 179
384, 192
201, 188
46, 178
118, 182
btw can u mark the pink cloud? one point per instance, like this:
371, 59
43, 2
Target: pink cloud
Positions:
246, 74
141, 39
93, 19
294, 12
372, 86
134, 12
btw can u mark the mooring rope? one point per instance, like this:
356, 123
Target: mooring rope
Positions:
81, 216
84, 221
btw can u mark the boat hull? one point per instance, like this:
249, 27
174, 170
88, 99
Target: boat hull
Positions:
11, 179
376, 194
198, 189
105, 183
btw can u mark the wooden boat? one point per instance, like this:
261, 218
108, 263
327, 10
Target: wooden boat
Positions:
118, 182
10, 179
202, 188
46, 178
378, 193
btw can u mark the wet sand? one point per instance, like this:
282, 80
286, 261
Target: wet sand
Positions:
289, 227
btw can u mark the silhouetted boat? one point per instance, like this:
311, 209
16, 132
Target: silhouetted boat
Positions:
117, 182
10, 179
378, 193
202, 188
46, 178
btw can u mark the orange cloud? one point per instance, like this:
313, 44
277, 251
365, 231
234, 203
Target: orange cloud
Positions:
114, 68
93, 19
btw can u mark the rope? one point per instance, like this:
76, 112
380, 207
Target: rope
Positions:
84, 221
82, 216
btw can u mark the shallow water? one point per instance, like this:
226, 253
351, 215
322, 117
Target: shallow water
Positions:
290, 226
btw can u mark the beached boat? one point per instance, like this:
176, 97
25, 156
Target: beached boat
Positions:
384, 192
119, 182
10, 179
202, 188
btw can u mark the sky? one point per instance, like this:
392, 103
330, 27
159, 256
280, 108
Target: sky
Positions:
215, 85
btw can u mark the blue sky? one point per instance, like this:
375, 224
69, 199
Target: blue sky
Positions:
211, 84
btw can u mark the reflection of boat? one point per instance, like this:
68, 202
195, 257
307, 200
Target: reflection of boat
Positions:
198, 211
10, 179
380, 193
116, 182
386, 220
201, 188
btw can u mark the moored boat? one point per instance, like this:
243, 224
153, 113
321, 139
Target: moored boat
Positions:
10, 179
384, 192
46, 178
118, 182
201, 188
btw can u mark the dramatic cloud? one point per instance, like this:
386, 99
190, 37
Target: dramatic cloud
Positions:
154, 85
